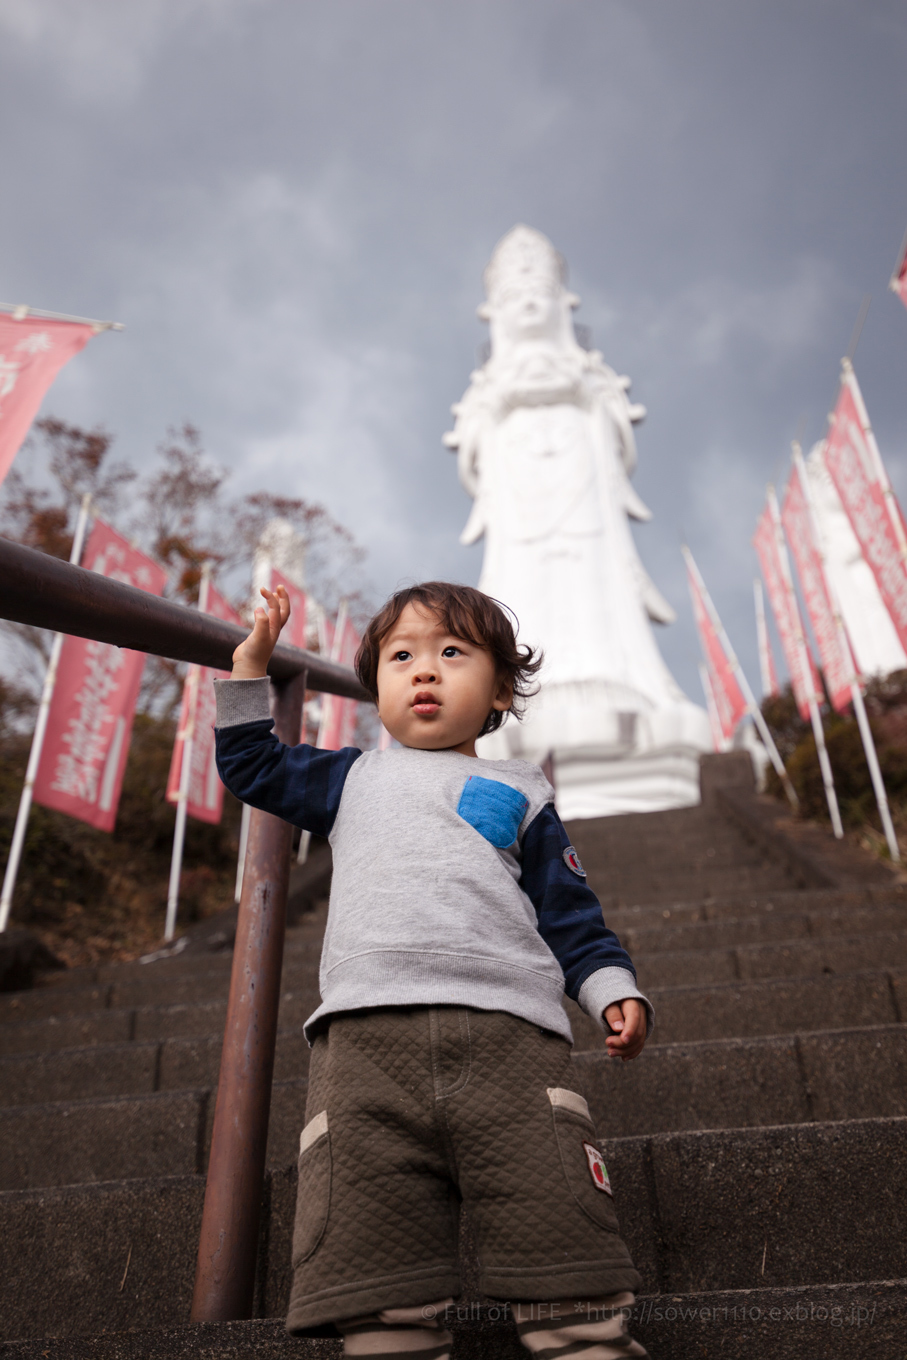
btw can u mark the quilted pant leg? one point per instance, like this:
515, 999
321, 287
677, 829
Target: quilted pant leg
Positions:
377, 1221
545, 1228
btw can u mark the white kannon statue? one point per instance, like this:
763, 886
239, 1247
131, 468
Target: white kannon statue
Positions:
544, 437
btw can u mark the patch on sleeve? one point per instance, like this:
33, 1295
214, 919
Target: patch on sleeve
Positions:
597, 1169
494, 809
571, 859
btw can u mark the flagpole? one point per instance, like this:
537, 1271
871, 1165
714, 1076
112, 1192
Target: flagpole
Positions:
182, 806
752, 708
37, 743
20, 310
856, 689
828, 782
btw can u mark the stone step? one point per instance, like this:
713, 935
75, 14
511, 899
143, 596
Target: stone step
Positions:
774, 1006
82, 1142
144, 1024
204, 981
727, 948
829, 1076
784, 958
785, 1206
765, 928
109, 1070
814, 1322
685, 1013
749, 1083
614, 891
743, 906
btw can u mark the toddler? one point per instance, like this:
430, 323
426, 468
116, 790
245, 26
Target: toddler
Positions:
441, 1071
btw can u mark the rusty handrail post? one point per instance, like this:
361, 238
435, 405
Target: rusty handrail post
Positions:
228, 1244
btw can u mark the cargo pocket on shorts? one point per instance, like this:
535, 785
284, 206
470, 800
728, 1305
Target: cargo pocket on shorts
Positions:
313, 1195
581, 1157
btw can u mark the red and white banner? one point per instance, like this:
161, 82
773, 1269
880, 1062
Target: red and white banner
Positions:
32, 352
726, 694
855, 465
90, 720
898, 282
338, 716
772, 555
295, 631
204, 792
798, 526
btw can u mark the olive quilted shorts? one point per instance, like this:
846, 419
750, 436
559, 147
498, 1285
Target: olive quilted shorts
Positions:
410, 1111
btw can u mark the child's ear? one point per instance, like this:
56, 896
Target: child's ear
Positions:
503, 699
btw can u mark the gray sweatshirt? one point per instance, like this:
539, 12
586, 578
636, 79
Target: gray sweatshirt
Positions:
454, 882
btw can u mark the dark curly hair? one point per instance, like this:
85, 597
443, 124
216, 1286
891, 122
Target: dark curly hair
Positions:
468, 614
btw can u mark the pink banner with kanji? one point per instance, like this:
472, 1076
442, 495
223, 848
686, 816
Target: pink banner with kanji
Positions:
899, 277
338, 716
798, 526
90, 720
727, 697
32, 352
204, 792
856, 469
803, 673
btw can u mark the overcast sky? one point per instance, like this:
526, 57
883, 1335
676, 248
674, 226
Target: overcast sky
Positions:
290, 203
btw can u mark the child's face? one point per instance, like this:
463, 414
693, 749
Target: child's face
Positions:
435, 690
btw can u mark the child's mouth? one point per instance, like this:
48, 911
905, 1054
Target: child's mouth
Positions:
426, 705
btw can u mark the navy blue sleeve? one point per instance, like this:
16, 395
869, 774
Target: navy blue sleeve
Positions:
301, 784
570, 919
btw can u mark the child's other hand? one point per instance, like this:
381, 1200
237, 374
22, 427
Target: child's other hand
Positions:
628, 1020
250, 660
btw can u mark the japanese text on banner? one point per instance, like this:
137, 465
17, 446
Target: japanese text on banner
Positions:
798, 526
874, 514
805, 682
90, 721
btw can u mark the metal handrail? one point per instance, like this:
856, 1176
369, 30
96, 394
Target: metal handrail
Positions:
43, 591
49, 593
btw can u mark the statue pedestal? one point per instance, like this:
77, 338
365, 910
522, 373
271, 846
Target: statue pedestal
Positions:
614, 752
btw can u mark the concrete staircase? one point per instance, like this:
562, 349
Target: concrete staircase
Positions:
757, 1147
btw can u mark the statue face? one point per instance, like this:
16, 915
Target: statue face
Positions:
529, 312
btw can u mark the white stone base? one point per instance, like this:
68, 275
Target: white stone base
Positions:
589, 785
613, 752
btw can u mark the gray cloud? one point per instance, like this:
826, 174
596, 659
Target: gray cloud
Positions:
290, 205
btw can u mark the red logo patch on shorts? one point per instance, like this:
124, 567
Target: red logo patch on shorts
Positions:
597, 1169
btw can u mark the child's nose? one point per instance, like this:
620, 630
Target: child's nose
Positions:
425, 677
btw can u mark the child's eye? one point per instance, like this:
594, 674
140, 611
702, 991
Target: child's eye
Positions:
401, 656
451, 651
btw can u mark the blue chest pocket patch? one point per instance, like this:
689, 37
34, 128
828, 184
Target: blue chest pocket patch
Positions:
494, 809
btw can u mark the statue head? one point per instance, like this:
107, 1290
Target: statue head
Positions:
525, 287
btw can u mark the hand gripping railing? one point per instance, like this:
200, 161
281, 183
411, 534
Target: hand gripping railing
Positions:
47, 593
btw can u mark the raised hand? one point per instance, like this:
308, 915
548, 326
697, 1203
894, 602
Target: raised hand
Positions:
250, 660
